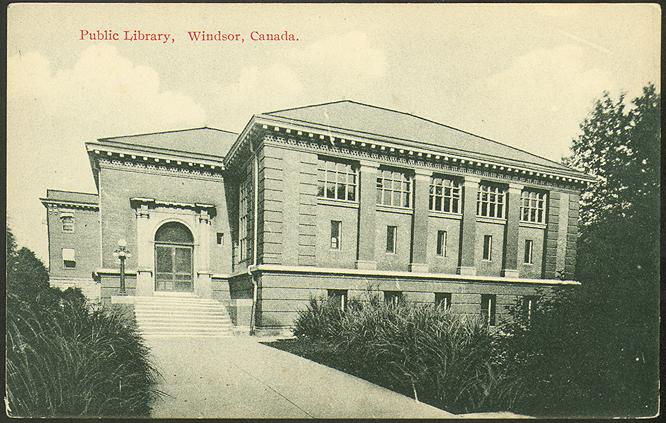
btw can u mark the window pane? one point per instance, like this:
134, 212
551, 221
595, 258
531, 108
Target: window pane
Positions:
183, 261
163, 260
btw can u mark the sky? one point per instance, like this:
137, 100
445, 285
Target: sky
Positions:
525, 75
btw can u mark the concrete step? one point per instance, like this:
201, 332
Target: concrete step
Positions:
192, 331
186, 335
183, 307
174, 314
181, 315
185, 324
167, 303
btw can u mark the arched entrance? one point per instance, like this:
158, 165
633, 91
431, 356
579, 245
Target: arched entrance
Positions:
173, 258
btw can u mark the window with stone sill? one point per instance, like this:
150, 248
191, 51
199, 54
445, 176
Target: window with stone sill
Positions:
337, 179
444, 194
532, 206
491, 200
394, 188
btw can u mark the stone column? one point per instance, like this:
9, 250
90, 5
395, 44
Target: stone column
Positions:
468, 230
365, 257
510, 268
203, 285
145, 285
421, 191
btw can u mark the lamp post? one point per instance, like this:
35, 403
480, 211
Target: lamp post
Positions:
121, 253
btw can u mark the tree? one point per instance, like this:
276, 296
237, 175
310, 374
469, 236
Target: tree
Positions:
26, 274
594, 351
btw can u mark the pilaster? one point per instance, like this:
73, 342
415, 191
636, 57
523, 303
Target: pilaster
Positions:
203, 285
366, 215
419, 262
467, 264
510, 260
144, 274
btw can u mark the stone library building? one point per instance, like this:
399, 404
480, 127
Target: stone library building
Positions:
338, 200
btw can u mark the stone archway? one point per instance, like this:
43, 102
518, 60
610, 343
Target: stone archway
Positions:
174, 248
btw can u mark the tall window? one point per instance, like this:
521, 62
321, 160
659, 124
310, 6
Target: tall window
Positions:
394, 188
441, 243
391, 239
532, 205
444, 195
529, 251
337, 180
68, 223
443, 299
336, 234
245, 215
488, 247
490, 201
488, 302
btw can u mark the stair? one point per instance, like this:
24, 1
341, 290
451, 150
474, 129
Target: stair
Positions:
181, 315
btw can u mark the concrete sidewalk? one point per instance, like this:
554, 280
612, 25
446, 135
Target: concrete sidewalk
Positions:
238, 377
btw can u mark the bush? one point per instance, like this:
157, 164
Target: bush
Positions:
68, 358
441, 358
65, 359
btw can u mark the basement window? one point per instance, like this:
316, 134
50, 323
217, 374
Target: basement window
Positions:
443, 299
488, 305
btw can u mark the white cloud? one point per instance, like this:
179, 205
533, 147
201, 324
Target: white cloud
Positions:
51, 113
540, 99
345, 56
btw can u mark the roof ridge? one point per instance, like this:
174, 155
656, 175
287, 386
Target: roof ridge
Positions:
433, 122
166, 132
71, 192
309, 105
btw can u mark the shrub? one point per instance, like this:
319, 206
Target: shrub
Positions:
445, 359
66, 359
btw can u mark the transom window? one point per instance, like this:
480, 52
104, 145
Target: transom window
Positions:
394, 188
337, 180
490, 201
532, 205
444, 194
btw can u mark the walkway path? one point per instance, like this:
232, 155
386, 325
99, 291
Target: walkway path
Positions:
238, 377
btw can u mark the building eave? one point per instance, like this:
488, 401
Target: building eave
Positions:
410, 149
71, 204
97, 150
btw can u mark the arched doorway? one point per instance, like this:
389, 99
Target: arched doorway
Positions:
173, 258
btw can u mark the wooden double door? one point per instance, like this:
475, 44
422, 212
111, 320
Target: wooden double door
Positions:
173, 268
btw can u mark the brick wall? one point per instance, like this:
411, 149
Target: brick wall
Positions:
118, 185
494, 266
448, 263
84, 240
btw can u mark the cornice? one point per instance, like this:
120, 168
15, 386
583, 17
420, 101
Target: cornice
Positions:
369, 146
52, 203
105, 155
495, 173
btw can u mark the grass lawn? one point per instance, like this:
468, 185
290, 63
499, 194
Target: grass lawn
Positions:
319, 353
